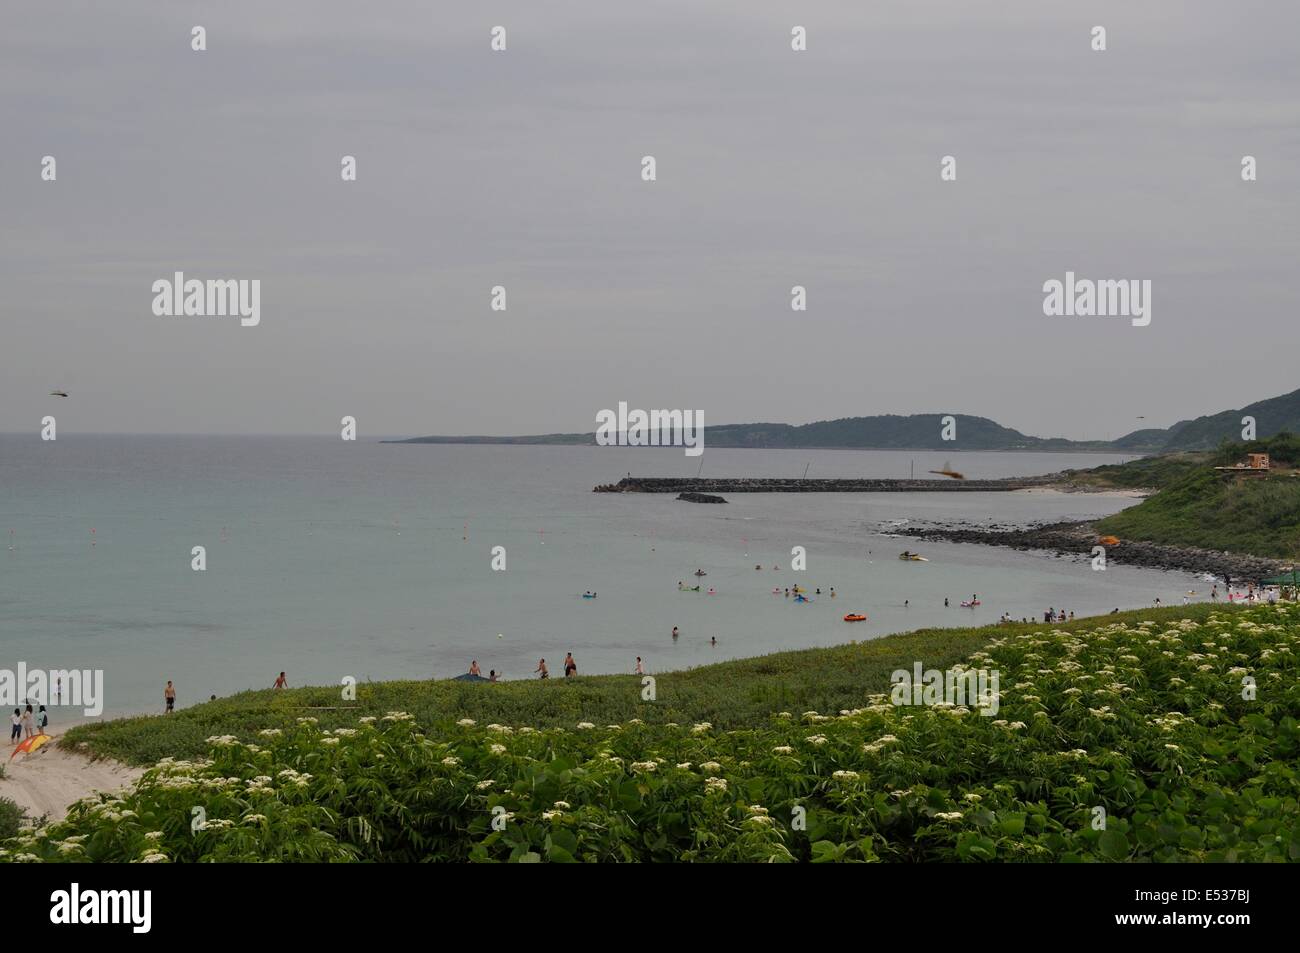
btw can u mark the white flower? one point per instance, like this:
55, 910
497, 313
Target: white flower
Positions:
701, 728
308, 721
646, 766
783, 749
467, 722
270, 733
451, 761
329, 741
561, 805
714, 784
845, 775
816, 739
484, 785
585, 725
712, 767
551, 815
497, 749
949, 815
152, 835
685, 766
153, 857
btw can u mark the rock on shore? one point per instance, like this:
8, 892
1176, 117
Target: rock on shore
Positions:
700, 498
1079, 539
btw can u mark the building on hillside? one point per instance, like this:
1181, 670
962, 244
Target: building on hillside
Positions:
1254, 463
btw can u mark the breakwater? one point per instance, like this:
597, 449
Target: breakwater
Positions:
795, 485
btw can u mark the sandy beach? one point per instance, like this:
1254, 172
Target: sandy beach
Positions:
52, 780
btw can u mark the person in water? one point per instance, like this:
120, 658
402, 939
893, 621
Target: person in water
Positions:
640, 669
713, 640
570, 666
474, 669
541, 667
492, 675
905, 603
281, 682
945, 602
675, 632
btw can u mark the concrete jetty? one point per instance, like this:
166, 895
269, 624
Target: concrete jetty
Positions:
796, 485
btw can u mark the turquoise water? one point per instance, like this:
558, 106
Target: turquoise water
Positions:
329, 559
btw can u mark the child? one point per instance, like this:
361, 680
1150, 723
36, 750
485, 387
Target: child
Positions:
42, 719
16, 720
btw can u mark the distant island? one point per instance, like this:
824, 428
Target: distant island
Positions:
923, 432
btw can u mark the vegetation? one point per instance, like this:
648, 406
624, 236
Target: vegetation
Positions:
11, 818
1169, 737
734, 694
1206, 508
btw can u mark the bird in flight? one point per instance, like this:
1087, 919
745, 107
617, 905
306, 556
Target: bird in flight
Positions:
58, 393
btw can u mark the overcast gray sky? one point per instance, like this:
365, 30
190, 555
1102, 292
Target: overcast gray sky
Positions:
522, 169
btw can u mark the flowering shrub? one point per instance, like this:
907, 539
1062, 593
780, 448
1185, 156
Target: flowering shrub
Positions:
1183, 734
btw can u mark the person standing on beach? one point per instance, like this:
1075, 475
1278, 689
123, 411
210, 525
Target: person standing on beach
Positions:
541, 667
42, 720
169, 695
28, 725
281, 682
16, 732
570, 666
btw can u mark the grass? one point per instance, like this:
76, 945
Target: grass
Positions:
1255, 515
1156, 736
729, 695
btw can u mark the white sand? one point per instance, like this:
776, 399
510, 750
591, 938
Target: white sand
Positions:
52, 780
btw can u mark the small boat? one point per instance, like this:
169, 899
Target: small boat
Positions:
802, 598
908, 556
688, 588
968, 604
855, 617
589, 595
700, 572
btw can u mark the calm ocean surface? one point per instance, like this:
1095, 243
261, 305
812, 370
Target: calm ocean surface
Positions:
328, 559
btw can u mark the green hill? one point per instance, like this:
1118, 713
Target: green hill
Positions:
1200, 506
1272, 416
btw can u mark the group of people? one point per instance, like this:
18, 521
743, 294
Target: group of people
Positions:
570, 667
475, 670
169, 693
27, 723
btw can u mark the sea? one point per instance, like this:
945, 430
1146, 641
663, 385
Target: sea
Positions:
331, 559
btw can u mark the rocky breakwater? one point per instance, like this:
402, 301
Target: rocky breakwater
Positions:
1078, 539
782, 485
